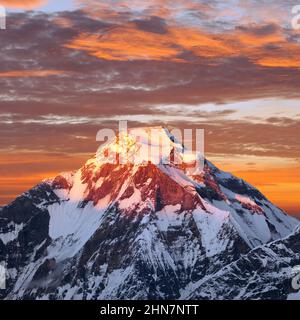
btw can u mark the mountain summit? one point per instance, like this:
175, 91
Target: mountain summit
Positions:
159, 225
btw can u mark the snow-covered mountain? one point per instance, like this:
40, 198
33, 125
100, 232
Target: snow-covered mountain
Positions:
146, 230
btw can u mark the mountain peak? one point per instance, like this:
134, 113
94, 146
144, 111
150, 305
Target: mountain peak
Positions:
141, 185
146, 222
139, 146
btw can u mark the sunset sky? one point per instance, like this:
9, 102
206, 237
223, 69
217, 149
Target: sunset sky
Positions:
70, 68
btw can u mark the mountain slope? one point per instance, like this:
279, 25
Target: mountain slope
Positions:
266, 272
148, 229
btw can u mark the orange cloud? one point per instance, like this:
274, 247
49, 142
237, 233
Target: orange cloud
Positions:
29, 73
280, 62
130, 43
23, 4
126, 43
201, 44
258, 31
256, 41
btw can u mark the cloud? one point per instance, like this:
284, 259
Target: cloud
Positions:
131, 43
120, 10
107, 70
23, 4
66, 75
126, 44
152, 24
29, 73
265, 45
278, 62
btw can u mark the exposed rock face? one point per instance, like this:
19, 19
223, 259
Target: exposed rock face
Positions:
145, 231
